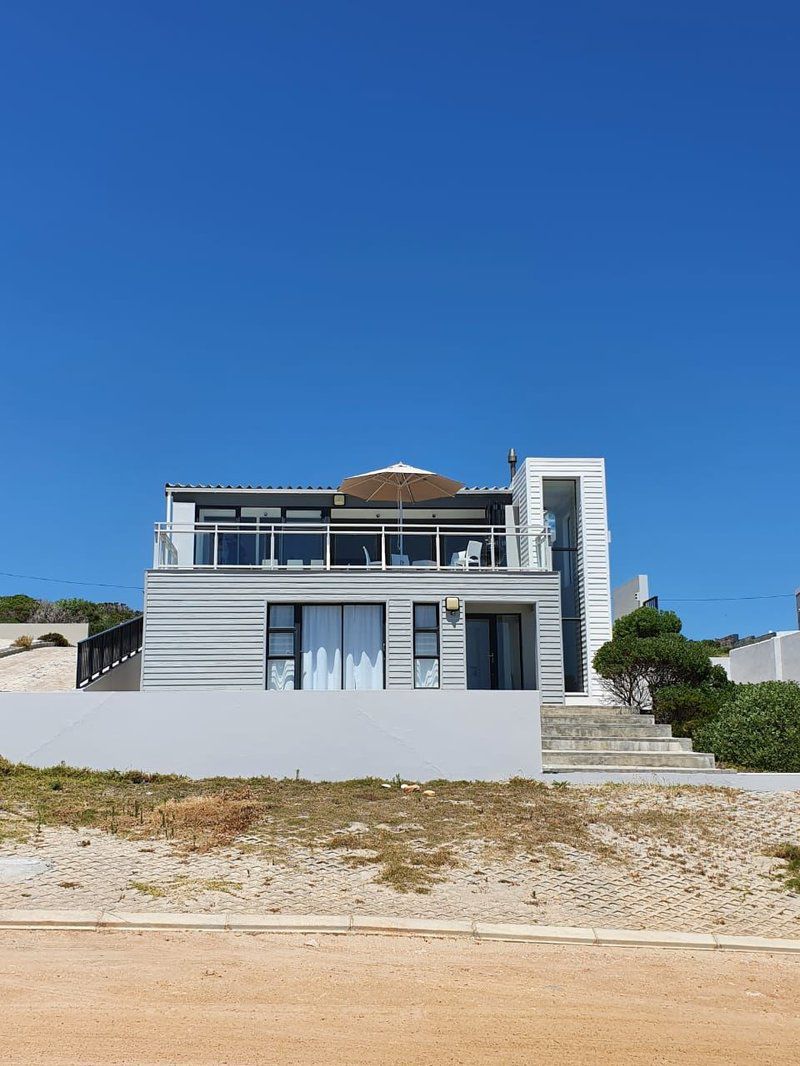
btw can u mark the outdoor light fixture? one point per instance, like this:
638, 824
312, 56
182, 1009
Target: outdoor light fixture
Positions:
338, 499
452, 604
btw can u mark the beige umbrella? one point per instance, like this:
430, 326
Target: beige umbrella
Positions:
400, 482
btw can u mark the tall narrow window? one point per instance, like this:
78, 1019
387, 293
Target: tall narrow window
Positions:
426, 645
281, 646
561, 500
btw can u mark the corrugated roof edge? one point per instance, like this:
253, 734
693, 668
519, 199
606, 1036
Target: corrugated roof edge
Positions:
173, 487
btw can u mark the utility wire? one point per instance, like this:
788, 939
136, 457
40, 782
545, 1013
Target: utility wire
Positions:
64, 581
723, 599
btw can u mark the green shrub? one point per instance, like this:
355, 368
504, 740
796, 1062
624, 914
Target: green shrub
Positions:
685, 707
18, 608
58, 639
759, 728
24, 642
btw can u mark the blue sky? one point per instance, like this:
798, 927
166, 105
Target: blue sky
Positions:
267, 243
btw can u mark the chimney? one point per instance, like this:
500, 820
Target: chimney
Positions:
512, 462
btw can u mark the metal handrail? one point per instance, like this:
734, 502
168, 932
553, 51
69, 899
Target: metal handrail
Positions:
532, 543
102, 651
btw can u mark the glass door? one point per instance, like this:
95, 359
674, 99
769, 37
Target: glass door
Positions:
494, 651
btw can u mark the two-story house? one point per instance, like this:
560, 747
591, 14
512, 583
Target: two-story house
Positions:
310, 588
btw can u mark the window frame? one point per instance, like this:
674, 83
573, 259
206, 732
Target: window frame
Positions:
297, 630
427, 629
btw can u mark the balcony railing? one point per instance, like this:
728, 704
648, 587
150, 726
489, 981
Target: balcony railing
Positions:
320, 546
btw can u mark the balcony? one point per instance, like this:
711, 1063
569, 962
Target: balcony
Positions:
328, 546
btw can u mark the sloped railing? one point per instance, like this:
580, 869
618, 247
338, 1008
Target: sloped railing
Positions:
102, 652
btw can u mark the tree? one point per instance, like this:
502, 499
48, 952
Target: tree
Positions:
648, 652
100, 616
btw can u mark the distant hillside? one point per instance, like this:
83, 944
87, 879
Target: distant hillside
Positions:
22, 608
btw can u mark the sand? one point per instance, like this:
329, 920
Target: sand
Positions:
214, 998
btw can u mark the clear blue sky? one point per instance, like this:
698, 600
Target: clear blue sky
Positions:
262, 242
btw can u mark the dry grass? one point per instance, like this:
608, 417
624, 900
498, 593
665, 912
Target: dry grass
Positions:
410, 839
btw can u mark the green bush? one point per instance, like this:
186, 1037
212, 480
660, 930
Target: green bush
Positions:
685, 708
759, 728
58, 639
17, 608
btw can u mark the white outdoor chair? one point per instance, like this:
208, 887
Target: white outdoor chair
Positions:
471, 556
368, 559
294, 564
400, 560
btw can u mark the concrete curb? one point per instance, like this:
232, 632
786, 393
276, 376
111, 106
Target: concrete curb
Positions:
340, 924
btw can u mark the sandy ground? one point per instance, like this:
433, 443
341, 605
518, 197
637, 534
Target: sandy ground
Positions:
39, 670
205, 998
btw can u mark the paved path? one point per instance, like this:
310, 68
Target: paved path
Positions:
39, 670
723, 891
206, 998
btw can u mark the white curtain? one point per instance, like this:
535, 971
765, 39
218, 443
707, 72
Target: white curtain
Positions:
322, 648
363, 646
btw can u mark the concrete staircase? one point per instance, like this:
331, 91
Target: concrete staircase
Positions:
614, 738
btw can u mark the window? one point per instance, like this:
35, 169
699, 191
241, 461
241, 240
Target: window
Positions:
426, 645
282, 646
324, 647
561, 500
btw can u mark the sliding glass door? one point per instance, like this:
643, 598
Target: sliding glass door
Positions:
326, 647
494, 651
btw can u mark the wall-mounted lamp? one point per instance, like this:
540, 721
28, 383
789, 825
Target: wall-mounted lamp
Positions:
338, 499
452, 604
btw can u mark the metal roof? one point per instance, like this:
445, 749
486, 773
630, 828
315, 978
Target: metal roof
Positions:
178, 487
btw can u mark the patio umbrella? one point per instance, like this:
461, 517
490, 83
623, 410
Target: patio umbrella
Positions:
400, 482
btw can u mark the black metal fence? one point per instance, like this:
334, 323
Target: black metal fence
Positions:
652, 602
99, 653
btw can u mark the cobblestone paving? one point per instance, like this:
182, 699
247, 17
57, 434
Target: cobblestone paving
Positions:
39, 670
730, 885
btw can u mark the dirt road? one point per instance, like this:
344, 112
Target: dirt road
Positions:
203, 998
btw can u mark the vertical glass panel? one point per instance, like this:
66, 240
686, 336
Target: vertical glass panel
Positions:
416, 547
426, 616
281, 616
355, 549
566, 563
509, 652
280, 674
573, 655
363, 646
479, 669
426, 643
322, 648
281, 644
561, 499
426, 673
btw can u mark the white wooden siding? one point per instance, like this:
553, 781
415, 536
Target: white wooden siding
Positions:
207, 629
592, 556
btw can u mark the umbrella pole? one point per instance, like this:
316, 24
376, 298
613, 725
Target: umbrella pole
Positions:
400, 506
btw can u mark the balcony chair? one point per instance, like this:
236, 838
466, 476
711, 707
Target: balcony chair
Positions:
368, 559
400, 560
471, 556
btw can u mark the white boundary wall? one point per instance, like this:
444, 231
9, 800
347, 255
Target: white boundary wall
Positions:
73, 631
774, 659
334, 736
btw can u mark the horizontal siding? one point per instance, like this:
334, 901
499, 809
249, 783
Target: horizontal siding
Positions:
399, 650
207, 629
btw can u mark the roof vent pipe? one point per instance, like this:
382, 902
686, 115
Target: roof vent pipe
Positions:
512, 462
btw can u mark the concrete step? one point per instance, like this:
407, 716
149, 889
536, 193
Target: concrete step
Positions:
625, 743
635, 730
595, 708
645, 760
605, 721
